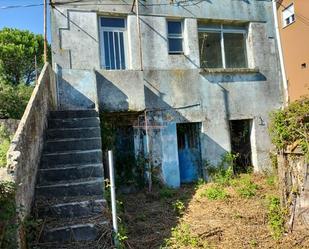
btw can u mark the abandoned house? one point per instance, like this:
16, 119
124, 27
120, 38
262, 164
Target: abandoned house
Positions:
203, 74
177, 85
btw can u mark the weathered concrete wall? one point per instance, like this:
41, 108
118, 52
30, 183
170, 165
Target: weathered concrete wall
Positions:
73, 23
175, 83
76, 89
25, 151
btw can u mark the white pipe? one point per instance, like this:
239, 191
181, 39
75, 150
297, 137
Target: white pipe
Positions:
284, 79
139, 34
113, 194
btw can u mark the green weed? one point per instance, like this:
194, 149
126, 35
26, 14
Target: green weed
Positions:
166, 192
275, 217
215, 192
182, 237
179, 207
245, 187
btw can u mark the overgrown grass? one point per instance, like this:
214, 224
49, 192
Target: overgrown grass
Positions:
215, 192
4, 145
275, 217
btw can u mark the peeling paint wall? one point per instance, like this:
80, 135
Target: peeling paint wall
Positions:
176, 83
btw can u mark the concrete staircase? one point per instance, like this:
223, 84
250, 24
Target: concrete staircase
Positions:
69, 191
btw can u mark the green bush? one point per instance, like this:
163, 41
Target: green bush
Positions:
275, 217
291, 124
7, 215
179, 207
13, 100
181, 236
4, 145
215, 192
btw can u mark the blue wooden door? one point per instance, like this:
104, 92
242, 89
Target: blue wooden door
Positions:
189, 154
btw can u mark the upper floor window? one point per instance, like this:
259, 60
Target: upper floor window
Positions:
113, 42
175, 37
288, 15
222, 46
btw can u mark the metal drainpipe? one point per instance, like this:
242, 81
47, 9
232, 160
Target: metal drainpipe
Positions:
139, 34
284, 79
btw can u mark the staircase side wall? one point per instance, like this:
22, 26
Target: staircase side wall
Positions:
27, 144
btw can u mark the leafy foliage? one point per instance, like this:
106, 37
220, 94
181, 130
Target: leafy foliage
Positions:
291, 125
245, 187
215, 192
13, 100
18, 49
182, 237
4, 145
224, 171
7, 214
275, 217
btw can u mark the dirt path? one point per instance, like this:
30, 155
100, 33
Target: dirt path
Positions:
234, 222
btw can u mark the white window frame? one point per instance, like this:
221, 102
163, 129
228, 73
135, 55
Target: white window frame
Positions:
288, 14
125, 41
175, 36
222, 31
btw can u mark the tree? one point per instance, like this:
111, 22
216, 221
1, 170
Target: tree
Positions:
18, 49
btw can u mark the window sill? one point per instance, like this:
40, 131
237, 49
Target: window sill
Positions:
229, 70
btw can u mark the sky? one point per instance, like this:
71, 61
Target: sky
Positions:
30, 18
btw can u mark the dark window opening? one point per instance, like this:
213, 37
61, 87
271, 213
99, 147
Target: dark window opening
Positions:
240, 131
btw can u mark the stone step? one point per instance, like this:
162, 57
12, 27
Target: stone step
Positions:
69, 144
46, 175
73, 114
75, 232
73, 157
74, 122
88, 186
86, 132
72, 209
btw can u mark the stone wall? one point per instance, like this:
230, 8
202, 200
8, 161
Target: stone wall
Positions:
294, 186
25, 151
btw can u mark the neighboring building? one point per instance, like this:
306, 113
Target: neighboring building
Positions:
293, 19
205, 74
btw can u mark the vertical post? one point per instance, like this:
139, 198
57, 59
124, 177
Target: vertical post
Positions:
139, 34
148, 154
45, 31
113, 194
36, 69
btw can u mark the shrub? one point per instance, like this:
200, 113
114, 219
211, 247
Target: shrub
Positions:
275, 217
215, 192
4, 145
13, 100
7, 215
290, 125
